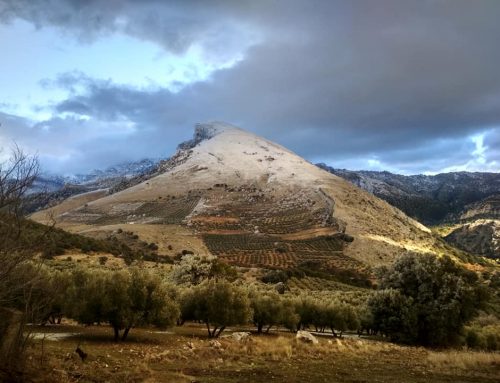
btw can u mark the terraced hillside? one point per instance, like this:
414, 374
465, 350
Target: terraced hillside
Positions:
255, 204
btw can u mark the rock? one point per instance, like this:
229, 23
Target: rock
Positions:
306, 337
240, 336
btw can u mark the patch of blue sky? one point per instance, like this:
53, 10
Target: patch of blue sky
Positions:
32, 56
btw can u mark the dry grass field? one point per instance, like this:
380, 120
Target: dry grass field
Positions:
185, 354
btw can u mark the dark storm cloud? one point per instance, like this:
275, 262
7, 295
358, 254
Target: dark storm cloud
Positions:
402, 81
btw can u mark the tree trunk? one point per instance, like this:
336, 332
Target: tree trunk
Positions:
220, 330
208, 328
117, 333
125, 333
259, 328
268, 328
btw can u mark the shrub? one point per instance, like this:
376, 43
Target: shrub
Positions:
102, 260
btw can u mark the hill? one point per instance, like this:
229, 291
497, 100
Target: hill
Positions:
255, 204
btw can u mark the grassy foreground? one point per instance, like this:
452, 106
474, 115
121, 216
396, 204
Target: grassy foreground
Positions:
185, 354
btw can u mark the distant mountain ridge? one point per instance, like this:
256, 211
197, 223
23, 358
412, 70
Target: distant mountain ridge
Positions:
431, 200
50, 189
469, 202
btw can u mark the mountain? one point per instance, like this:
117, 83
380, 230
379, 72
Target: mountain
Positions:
239, 196
431, 200
96, 178
477, 228
488, 208
49, 190
469, 202
480, 237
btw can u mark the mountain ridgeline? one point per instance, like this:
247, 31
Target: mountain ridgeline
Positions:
469, 203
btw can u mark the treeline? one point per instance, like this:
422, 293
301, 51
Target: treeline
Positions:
423, 300
125, 299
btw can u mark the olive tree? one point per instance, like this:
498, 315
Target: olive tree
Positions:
124, 299
269, 310
337, 317
218, 304
193, 269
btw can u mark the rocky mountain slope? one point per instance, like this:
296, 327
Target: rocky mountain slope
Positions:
480, 236
470, 202
477, 228
431, 200
256, 204
49, 190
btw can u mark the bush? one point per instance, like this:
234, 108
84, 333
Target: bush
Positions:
483, 337
102, 260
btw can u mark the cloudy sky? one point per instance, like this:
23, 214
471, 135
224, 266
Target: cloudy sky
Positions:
406, 86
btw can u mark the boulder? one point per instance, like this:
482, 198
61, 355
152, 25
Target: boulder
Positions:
306, 337
240, 336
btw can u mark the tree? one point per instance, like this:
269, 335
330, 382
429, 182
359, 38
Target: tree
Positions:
193, 269
124, 299
307, 310
218, 304
16, 249
267, 309
394, 314
337, 317
42, 297
428, 299
16, 176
